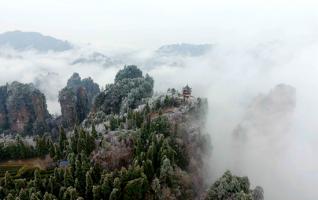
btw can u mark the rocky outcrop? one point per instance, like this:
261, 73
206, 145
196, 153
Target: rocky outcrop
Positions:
76, 99
3, 109
23, 109
268, 115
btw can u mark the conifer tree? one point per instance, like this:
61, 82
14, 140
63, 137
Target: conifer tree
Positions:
89, 185
94, 132
97, 192
68, 177
115, 194
62, 139
10, 197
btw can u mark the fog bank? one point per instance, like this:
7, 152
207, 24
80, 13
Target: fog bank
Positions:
278, 148
276, 145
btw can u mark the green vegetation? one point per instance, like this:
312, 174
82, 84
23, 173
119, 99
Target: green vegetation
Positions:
129, 72
129, 89
154, 172
234, 187
18, 149
145, 153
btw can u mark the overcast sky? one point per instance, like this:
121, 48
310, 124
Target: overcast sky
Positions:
146, 23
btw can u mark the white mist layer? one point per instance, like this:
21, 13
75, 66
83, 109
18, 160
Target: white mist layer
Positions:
284, 163
49, 72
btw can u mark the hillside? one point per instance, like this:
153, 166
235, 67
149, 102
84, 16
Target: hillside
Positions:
132, 145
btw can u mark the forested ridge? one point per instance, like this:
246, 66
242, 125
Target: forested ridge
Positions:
132, 145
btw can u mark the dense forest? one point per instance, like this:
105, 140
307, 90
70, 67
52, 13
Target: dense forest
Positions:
131, 145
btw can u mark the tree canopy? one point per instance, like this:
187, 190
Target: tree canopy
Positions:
130, 72
129, 89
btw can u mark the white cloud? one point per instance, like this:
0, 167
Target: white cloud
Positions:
259, 44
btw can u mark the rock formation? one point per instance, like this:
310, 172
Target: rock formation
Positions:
23, 109
76, 99
269, 114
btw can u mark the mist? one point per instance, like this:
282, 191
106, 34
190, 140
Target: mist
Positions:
49, 72
276, 146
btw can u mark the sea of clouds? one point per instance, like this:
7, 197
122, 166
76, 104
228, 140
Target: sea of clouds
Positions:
277, 152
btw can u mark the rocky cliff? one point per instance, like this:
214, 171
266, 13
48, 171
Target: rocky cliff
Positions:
22, 109
76, 99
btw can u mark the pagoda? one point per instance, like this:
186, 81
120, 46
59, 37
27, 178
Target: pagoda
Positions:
186, 92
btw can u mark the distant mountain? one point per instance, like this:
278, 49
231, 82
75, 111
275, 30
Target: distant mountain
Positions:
95, 58
184, 49
175, 55
32, 40
268, 114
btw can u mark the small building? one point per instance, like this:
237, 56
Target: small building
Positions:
63, 163
186, 91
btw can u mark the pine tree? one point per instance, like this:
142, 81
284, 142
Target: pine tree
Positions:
97, 192
68, 177
37, 179
148, 169
74, 141
106, 187
34, 196
70, 194
71, 159
51, 148
156, 188
135, 189
8, 181
58, 153
94, 132
47, 196
115, 194
61, 192
77, 185
10, 197
50, 185
166, 172
23, 194
62, 141
89, 185
80, 177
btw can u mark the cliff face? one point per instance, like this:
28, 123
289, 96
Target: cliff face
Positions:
76, 99
3, 109
22, 109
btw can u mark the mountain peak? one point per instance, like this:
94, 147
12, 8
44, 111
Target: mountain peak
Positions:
21, 40
184, 49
